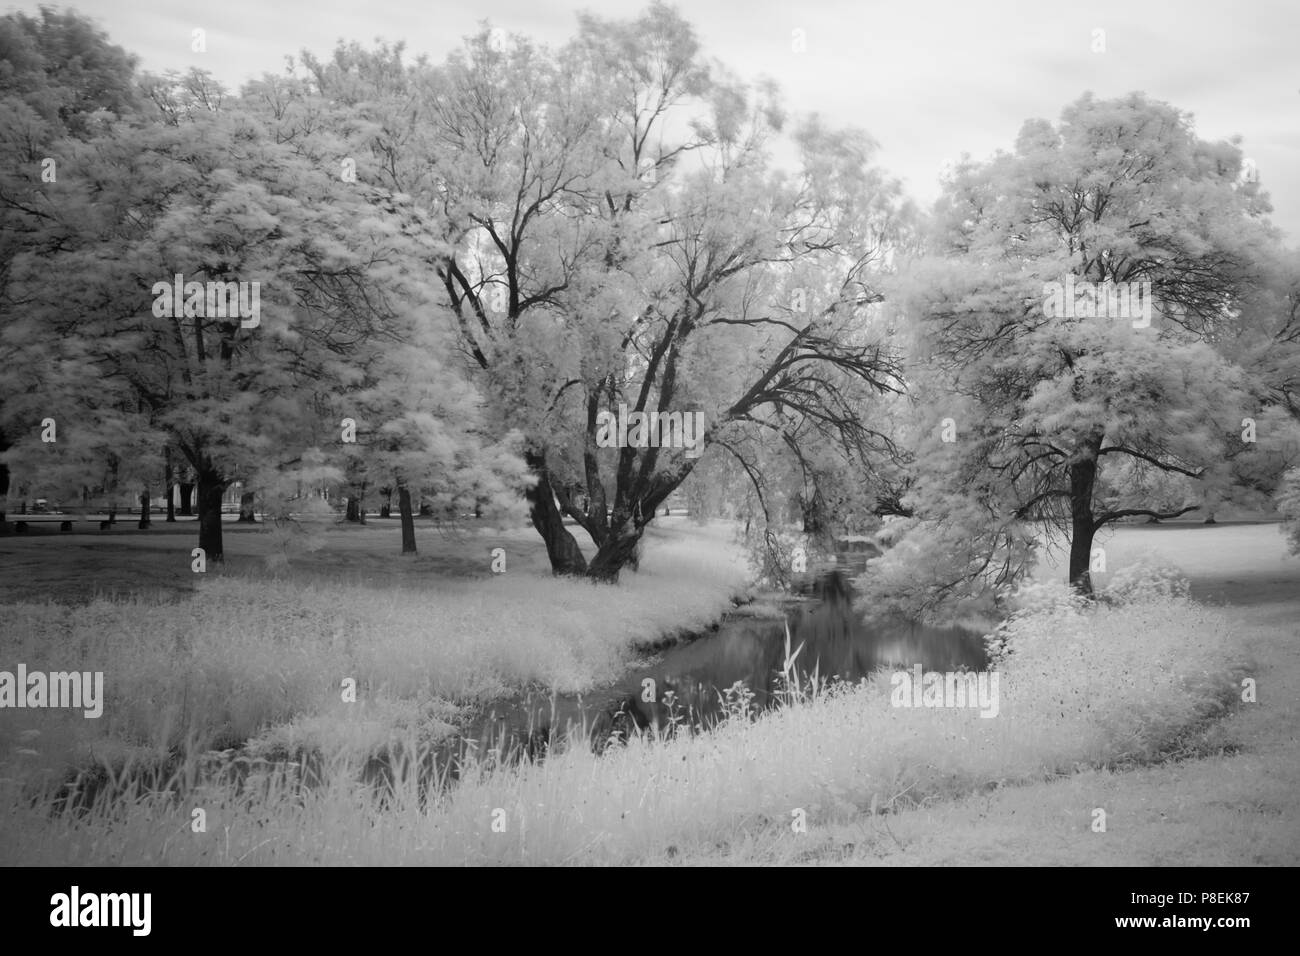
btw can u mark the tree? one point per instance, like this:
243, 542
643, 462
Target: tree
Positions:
1288, 504
1066, 325
318, 269
593, 264
424, 430
59, 77
62, 67
1265, 343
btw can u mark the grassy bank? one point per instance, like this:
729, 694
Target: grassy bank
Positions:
1067, 703
251, 654
1099, 708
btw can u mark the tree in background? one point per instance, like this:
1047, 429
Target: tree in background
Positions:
423, 430
222, 191
1026, 410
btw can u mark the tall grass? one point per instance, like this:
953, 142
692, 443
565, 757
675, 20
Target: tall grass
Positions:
247, 658
1080, 687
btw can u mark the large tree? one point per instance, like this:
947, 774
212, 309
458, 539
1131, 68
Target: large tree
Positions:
59, 77
216, 191
1032, 392
618, 235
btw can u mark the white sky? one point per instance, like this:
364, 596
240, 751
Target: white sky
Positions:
928, 80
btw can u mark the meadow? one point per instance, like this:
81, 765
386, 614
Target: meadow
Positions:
1092, 697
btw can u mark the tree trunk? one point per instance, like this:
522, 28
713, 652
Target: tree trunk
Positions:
356, 510
1083, 478
561, 547
4, 479
619, 549
111, 489
187, 499
169, 482
698, 504
211, 489
811, 511
408, 519
1081, 557
247, 514
634, 562
144, 511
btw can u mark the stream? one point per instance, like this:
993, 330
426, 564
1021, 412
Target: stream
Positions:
685, 685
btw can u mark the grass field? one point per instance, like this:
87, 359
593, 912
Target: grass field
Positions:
1134, 709
263, 646
1231, 797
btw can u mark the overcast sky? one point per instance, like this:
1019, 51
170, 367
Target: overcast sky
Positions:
928, 80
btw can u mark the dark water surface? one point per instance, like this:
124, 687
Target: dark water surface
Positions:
687, 683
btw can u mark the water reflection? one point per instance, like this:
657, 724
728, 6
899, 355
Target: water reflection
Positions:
828, 638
